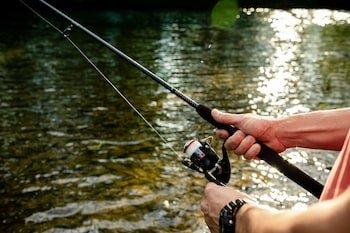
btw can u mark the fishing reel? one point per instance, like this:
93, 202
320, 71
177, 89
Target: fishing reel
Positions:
201, 157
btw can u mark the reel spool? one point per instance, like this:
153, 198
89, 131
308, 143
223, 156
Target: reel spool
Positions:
201, 157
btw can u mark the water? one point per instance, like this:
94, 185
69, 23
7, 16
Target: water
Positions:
75, 158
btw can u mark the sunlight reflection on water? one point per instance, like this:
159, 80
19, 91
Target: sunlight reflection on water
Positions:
75, 156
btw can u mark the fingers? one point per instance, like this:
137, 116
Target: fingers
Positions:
253, 151
211, 224
233, 142
227, 118
221, 133
243, 144
208, 220
209, 207
204, 206
214, 199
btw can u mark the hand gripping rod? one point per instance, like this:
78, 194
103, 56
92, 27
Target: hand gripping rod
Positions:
267, 154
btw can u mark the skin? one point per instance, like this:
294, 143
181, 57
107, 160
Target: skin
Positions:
322, 130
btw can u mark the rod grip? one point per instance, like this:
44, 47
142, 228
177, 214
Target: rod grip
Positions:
270, 156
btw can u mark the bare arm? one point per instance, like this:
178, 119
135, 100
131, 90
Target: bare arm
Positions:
322, 129
324, 217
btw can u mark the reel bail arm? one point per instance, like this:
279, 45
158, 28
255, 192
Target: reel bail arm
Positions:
266, 154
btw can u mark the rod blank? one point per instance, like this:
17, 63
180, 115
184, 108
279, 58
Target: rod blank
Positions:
267, 154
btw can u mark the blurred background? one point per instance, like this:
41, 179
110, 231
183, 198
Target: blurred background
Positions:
191, 5
75, 158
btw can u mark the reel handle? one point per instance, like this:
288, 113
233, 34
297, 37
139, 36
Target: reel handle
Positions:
270, 156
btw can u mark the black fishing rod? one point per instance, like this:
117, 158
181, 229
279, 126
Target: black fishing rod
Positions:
267, 154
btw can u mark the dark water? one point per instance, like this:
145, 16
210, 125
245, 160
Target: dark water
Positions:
75, 158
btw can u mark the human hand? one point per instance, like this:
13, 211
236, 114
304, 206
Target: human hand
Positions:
215, 198
251, 128
251, 217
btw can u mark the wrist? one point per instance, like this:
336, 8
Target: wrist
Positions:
245, 219
282, 132
252, 219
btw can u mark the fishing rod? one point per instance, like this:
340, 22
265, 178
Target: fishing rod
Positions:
201, 157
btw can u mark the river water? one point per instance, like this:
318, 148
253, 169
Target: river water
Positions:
75, 158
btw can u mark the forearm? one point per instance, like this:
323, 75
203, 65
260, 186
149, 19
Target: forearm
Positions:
323, 217
322, 129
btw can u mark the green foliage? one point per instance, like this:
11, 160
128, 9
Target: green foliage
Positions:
224, 13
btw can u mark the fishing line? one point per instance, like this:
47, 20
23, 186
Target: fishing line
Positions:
65, 34
137, 65
194, 161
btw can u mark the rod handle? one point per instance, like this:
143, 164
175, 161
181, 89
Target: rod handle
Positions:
270, 156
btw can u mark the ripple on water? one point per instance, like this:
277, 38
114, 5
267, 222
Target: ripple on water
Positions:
86, 208
113, 143
59, 121
57, 134
150, 220
35, 189
88, 181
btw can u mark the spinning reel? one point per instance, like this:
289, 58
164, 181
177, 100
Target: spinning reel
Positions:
201, 157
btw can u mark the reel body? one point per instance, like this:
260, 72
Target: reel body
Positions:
201, 157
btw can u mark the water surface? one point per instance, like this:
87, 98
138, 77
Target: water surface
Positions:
75, 158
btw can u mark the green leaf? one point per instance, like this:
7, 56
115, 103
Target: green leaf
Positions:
224, 13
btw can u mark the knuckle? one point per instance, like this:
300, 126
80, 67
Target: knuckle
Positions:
238, 137
256, 149
209, 187
250, 139
235, 140
240, 150
239, 134
231, 143
253, 151
221, 134
250, 154
221, 116
243, 146
247, 156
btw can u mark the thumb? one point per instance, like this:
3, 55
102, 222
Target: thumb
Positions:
227, 118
